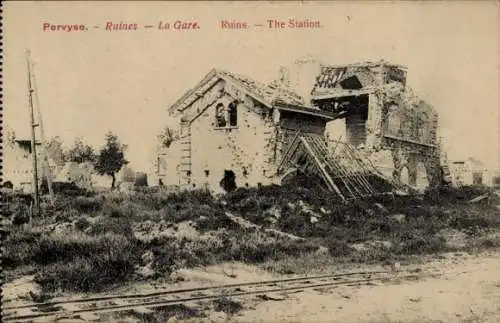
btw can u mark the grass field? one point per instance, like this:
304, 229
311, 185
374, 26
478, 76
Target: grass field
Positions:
95, 242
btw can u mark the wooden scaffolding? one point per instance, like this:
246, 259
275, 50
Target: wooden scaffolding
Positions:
344, 170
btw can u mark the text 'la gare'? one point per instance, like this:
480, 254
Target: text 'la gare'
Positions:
183, 25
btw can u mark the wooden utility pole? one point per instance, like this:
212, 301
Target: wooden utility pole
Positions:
46, 170
36, 195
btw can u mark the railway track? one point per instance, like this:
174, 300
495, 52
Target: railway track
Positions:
55, 310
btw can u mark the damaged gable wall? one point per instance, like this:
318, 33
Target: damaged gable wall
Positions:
242, 148
238, 148
250, 149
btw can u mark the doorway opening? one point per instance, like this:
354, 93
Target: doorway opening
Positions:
228, 181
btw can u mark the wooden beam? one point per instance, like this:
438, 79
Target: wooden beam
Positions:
324, 173
339, 93
173, 108
288, 151
409, 141
301, 109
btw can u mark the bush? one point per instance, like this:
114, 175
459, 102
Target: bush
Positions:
73, 263
256, 246
338, 248
266, 196
121, 209
227, 305
184, 313
82, 223
85, 264
20, 246
19, 210
86, 204
150, 198
214, 221
420, 244
65, 189
119, 226
166, 258
196, 197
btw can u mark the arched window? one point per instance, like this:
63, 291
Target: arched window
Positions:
220, 116
233, 114
226, 116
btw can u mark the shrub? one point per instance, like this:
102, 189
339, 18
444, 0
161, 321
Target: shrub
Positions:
297, 223
82, 224
164, 314
227, 305
119, 226
66, 189
214, 221
178, 214
196, 197
86, 204
153, 200
256, 246
110, 249
20, 246
65, 215
120, 209
20, 212
420, 244
338, 248
86, 264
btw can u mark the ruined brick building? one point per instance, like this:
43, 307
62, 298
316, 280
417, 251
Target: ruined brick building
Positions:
18, 163
232, 126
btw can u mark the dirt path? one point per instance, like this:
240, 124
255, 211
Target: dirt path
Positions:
468, 291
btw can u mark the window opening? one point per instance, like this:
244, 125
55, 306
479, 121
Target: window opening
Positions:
220, 118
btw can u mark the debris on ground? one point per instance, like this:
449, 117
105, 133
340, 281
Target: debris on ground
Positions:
479, 198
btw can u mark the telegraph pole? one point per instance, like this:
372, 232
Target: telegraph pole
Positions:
46, 170
36, 195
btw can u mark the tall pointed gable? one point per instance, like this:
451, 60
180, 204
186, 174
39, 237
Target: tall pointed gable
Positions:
270, 95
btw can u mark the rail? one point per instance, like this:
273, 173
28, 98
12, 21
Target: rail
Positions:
115, 303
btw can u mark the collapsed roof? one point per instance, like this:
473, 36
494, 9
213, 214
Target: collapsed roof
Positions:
302, 85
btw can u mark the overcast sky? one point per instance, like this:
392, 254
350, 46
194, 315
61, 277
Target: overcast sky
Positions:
94, 81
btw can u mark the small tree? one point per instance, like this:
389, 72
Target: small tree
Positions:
81, 152
167, 137
111, 157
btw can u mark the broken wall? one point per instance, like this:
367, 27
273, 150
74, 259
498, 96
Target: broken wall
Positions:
468, 172
291, 122
18, 165
397, 113
172, 159
294, 121
407, 126
301, 76
356, 76
237, 148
